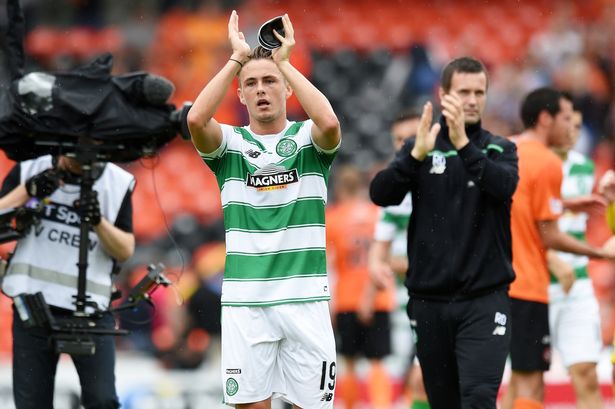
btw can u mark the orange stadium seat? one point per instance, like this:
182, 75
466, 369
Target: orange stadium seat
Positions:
42, 42
79, 42
109, 39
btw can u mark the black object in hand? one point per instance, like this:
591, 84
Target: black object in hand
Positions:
266, 37
89, 208
43, 184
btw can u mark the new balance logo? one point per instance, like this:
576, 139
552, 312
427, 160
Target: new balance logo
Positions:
327, 397
252, 154
499, 330
500, 319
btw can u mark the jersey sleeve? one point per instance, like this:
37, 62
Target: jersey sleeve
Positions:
214, 159
546, 193
326, 156
12, 180
385, 228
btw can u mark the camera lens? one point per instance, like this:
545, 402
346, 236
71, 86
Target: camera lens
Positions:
266, 38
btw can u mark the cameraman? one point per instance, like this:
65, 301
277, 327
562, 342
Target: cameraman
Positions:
45, 260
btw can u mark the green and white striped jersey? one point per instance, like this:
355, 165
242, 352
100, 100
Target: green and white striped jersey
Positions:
274, 192
393, 225
578, 181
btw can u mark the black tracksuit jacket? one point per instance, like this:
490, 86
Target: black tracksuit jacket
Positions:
459, 240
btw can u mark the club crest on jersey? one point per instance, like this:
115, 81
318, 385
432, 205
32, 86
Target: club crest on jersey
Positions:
438, 163
272, 177
286, 147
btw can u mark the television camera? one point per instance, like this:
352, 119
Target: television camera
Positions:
93, 116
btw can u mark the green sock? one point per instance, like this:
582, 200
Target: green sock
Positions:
419, 404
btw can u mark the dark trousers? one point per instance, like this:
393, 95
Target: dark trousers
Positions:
35, 363
462, 348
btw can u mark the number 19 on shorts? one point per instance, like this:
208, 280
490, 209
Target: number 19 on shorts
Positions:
327, 378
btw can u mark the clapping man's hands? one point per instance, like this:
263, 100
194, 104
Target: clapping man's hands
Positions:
452, 110
426, 134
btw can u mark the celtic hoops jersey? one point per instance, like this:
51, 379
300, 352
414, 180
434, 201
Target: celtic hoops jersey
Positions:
578, 181
392, 225
274, 192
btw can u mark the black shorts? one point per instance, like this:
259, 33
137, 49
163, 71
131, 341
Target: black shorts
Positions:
371, 341
531, 341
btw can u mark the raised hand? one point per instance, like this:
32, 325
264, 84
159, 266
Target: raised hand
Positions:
426, 133
240, 47
288, 41
452, 110
606, 186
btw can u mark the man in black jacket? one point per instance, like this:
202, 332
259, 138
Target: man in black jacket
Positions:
462, 180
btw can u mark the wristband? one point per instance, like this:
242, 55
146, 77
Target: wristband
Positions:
237, 61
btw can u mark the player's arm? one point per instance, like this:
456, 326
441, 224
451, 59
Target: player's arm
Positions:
379, 265
326, 131
399, 265
561, 270
585, 204
205, 131
553, 238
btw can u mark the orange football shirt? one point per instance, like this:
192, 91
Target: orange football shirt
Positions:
537, 198
350, 230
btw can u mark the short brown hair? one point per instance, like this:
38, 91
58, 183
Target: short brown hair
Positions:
464, 65
259, 53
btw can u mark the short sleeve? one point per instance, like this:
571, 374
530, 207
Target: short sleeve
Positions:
546, 192
213, 159
11, 181
385, 229
325, 155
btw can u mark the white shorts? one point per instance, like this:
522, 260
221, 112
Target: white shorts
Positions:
574, 321
285, 351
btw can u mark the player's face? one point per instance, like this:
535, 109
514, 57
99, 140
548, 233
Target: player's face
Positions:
263, 90
472, 89
561, 132
403, 130
577, 123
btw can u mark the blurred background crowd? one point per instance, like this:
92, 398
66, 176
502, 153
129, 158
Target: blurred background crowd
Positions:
370, 58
